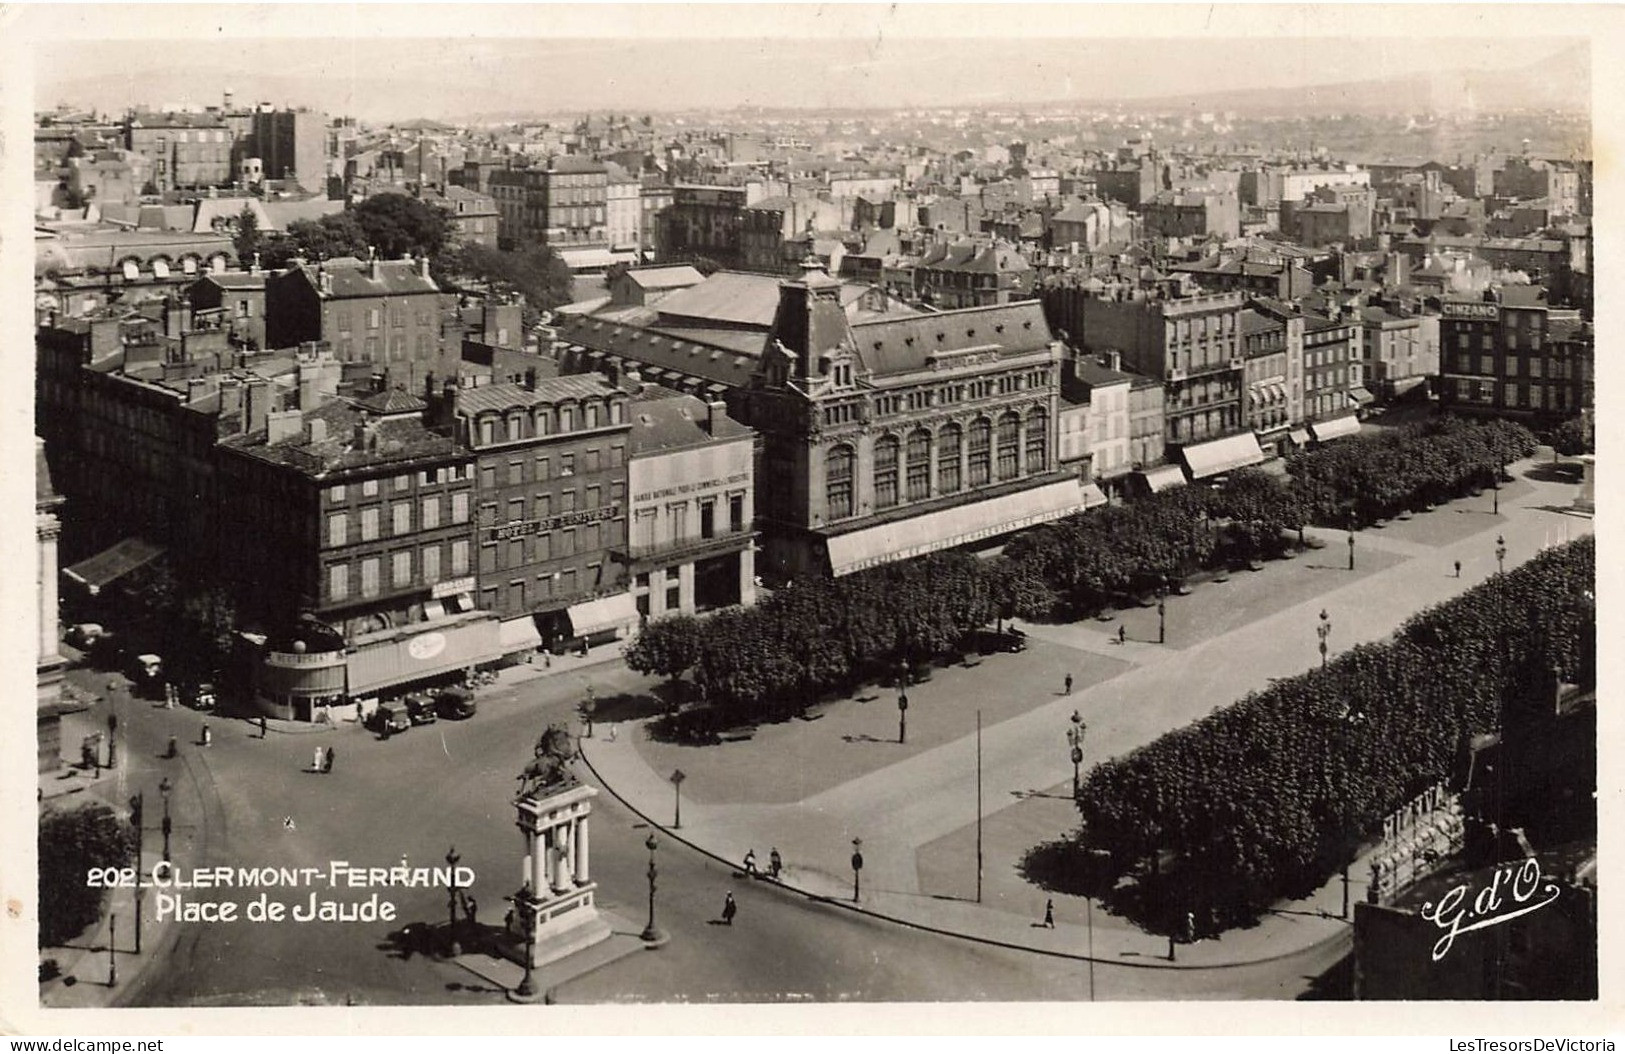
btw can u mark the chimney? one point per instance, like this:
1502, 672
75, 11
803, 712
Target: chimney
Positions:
256, 404
195, 389
375, 267
281, 425
428, 387
530, 379
632, 380
316, 431
716, 411
326, 283
423, 265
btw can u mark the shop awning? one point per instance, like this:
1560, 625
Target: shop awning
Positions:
947, 528
1335, 428
519, 633
595, 616
112, 564
1093, 496
1300, 436
1162, 477
412, 653
1222, 455
1358, 396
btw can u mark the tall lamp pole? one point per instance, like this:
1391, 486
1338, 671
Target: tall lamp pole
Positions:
1352, 525
1162, 617
527, 907
1074, 736
136, 804
451, 902
677, 778
857, 868
652, 935
902, 716
1323, 630
164, 787
112, 737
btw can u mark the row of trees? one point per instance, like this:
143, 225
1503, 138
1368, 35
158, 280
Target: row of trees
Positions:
1377, 477
1267, 798
820, 637
71, 842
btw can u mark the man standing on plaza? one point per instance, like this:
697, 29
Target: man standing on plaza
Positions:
729, 909
1068, 685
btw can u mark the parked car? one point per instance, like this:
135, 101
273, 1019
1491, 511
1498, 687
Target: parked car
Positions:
456, 704
147, 674
201, 697
85, 635
420, 709
391, 717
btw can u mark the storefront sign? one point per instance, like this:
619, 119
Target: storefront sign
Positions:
452, 587
426, 647
522, 528
690, 488
1491, 312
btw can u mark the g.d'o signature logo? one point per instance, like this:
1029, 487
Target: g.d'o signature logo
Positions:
1513, 890
426, 646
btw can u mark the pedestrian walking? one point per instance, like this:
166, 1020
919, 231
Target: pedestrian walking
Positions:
287, 823
729, 909
208, 736
1069, 684
316, 760
471, 908
174, 747
327, 763
1049, 913
775, 863
1122, 634
262, 726
507, 922
750, 862
1458, 568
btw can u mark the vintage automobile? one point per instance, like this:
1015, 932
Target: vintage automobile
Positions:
456, 704
420, 709
391, 717
147, 675
201, 697
85, 635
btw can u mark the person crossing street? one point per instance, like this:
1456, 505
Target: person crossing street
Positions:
729, 909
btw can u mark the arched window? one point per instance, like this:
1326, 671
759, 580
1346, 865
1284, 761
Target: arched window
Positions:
980, 450
539, 421
1009, 445
567, 419
1038, 441
919, 465
885, 472
516, 426
950, 443
591, 414
838, 481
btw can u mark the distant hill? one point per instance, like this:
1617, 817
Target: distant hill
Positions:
1561, 82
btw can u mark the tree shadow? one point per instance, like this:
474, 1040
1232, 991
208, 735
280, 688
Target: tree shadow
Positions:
1336, 984
632, 706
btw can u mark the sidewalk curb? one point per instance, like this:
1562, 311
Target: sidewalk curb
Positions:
928, 928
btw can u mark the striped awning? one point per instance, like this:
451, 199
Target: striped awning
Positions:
1162, 477
112, 564
1222, 455
596, 616
1335, 428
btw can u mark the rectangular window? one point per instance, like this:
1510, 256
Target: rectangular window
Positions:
338, 529
544, 548
338, 581
400, 518
567, 501
516, 595
516, 473
402, 482
335, 492
369, 488
567, 582
373, 318
885, 473
400, 569
677, 521
948, 461
736, 513
459, 507
369, 524
567, 464
430, 558
592, 460
567, 542
369, 577
595, 495
543, 470
708, 518
617, 455
643, 529
516, 509
430, 514
516, 552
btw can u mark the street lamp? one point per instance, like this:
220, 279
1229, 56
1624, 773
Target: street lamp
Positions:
164, 787
589, 706
857, 867
1500, 553
137, 807
112, 741
1323, 630
451, 901
1497, 506
1162, 615
1074, 736
1353, 523
527, 907
677, 778
652, 934
902, 716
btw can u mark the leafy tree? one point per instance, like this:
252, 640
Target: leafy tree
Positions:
615, 271
247, 239
667, 647
70, 844
537, 272
331, 236
397, 224
1574, 437
705, 265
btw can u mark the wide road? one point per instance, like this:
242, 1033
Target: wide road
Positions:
424, 791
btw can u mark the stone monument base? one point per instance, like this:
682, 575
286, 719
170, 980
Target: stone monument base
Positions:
561, 907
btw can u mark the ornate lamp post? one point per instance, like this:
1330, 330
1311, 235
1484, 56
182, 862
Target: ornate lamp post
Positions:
652, 934
451, 903
137, 807
857, 868
677, 778
164, 787
112, 951
112, 738
526, 901
1500, 553
1323, 631
1074, 736
1496, 508
902, 716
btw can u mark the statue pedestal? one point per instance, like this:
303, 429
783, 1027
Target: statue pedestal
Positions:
561, 904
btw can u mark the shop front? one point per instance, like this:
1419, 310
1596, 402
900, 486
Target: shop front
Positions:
298, 685
422, 652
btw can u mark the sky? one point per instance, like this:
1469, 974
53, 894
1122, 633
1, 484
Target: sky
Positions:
381, 61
